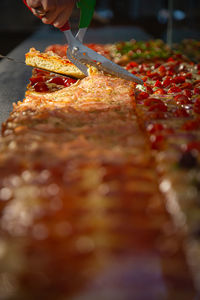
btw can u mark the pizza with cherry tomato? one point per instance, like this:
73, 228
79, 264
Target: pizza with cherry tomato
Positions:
100, 179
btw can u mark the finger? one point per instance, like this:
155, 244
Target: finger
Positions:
64, 15
50, 4
50, 17
38, 13
61, 19
34, 3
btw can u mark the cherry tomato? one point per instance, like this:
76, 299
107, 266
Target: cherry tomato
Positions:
194, 145
196, 83
158, 107
154, 76
157, 141
41, 72
58, 80
152, 128
186, 85
166, 82
178, 79
188, 76
191, 125
182, 99
188, 93
197, 91
34, 80
170, 59
69, 81
158, 83
181, 113
142, 95
174, 89
131, 65
149, 89
170, 73
41, 87
196, 106
160, 92
162, 70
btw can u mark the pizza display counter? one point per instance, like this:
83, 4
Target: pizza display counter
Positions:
99, 178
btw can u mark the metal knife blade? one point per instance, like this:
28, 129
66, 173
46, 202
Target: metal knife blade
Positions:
88, 56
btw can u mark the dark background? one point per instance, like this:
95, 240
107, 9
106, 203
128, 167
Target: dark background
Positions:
17, 23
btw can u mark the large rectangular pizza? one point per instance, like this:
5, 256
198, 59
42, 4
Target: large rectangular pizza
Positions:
100, 179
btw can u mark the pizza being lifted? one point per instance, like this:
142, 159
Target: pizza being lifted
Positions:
52, 62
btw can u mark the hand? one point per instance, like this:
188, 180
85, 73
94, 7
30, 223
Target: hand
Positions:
55, 12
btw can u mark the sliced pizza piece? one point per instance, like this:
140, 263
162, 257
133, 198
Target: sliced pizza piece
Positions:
93, 92
52, 62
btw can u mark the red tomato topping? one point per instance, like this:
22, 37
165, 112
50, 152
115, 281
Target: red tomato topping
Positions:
170, 59
178, 79
195, 145
160, 92
197, 91
134, 72
196, 83
41, 72
142, 95
182, 99
158, 107
166, 82
158, 83
188, 93
186, 85
197, 106
41, 87
154, 76
156, 141
170, 73
181, 113
162, 70
149, 89
197, 100
131, 65
188, 76
174, 89
34, 80
152, 101
156, 65
57, 80
152, 128
69, 81
191, 125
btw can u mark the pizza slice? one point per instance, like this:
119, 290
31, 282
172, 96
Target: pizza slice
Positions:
52, 62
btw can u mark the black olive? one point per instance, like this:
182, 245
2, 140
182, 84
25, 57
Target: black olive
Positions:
188, 160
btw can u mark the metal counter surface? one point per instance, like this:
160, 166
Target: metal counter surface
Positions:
14, 77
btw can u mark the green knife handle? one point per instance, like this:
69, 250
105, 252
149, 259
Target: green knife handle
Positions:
87, 10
